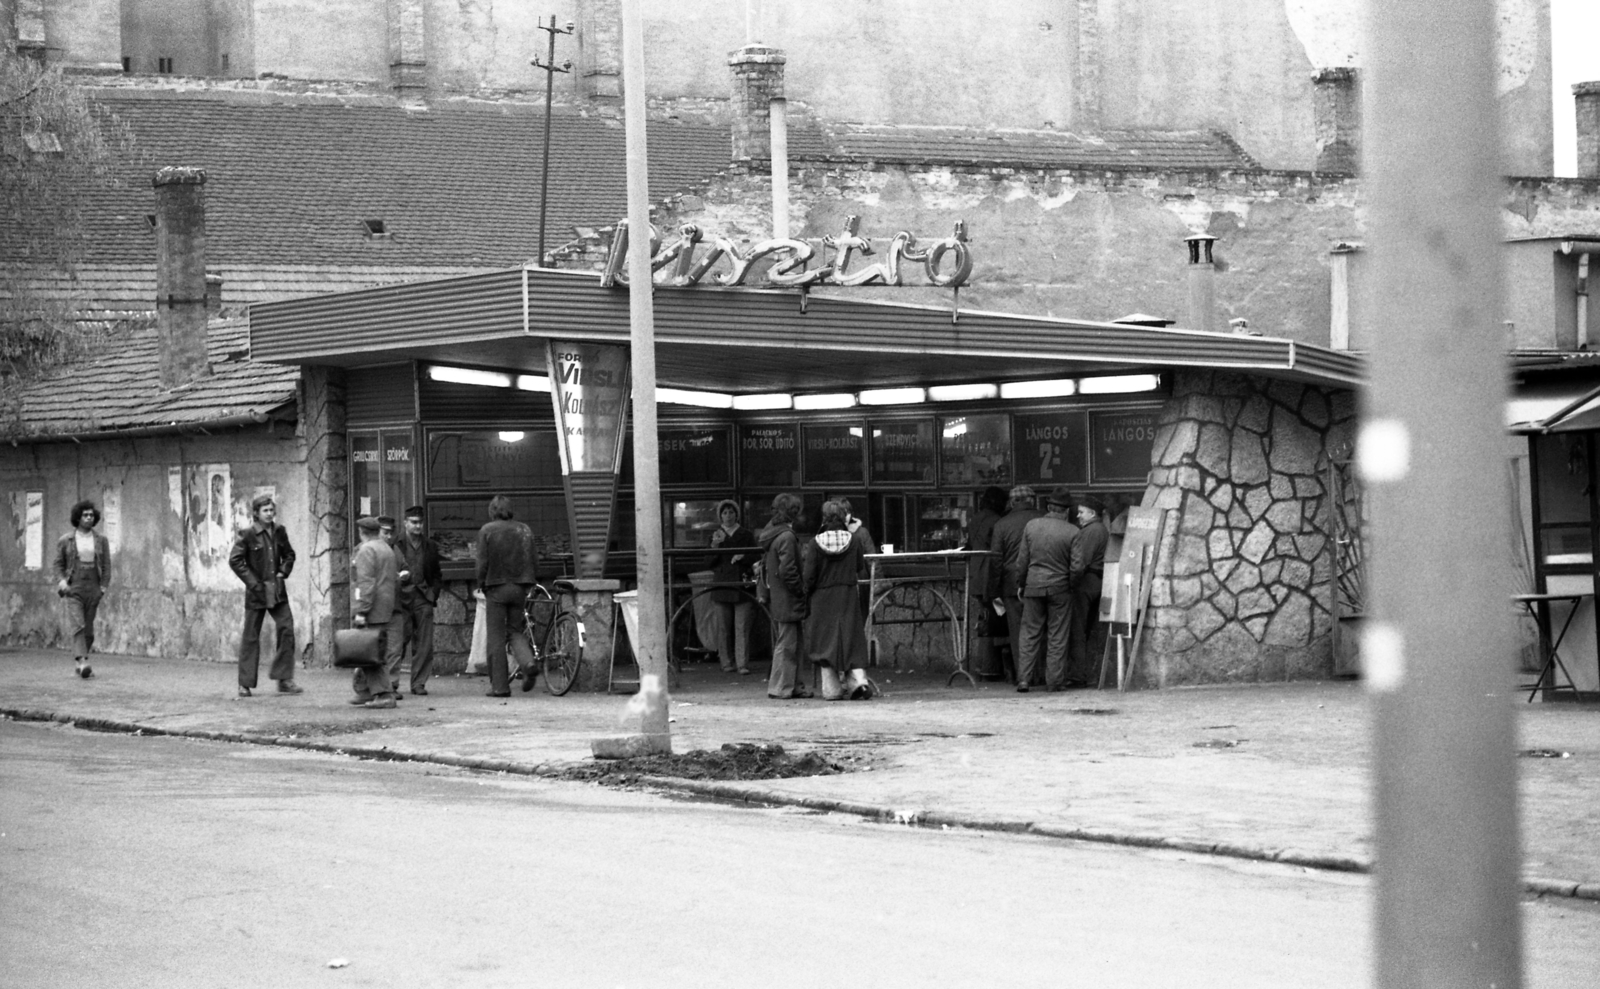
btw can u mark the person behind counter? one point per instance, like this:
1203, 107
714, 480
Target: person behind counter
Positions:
834, 637
732, 607
781, 586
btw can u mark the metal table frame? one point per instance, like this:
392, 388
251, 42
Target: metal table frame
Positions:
1538, 606
881, 585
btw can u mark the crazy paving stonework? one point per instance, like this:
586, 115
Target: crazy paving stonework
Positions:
1243, 583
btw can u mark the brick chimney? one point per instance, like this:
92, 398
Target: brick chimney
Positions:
600, 50
1336, 108
1202, 283
181, 274
213, 293
1586, 97
28, 18
757, 81
408, 50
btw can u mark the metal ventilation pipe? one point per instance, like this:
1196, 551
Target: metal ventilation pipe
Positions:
779, 115
1202, 283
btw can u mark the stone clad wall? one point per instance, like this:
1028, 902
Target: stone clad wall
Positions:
1243, 583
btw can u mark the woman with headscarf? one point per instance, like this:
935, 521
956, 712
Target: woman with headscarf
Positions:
733, 607
83, 571
834, 637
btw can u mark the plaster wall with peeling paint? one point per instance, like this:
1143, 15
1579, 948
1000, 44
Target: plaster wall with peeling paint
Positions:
172, 507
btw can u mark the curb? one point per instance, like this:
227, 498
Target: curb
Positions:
1537, 885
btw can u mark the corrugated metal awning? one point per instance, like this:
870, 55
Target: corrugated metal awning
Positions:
749, 340
1558, 407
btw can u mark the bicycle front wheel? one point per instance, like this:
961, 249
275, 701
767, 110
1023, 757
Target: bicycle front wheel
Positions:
562, 655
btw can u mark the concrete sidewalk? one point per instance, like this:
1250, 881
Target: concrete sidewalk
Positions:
1272, 772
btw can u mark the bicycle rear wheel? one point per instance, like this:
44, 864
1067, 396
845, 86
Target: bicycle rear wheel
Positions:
562, 655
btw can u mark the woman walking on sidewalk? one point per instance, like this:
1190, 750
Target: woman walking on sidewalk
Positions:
83, 571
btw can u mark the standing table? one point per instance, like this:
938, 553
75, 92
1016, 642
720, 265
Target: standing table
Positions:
1538, 606
940, 573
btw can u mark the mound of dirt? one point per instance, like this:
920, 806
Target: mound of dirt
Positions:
741, 761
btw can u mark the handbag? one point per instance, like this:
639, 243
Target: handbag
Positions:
357, 648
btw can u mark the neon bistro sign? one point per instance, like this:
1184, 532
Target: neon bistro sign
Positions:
946, 263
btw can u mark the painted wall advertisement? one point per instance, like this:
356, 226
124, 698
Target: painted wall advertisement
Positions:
589, 386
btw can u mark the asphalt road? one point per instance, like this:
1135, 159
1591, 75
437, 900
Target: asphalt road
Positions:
165, 862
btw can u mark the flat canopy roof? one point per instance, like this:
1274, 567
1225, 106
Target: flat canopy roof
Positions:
748, 341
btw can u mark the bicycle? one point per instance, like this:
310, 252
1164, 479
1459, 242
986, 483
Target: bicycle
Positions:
555, 637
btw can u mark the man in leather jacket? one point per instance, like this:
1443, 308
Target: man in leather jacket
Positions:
262, 557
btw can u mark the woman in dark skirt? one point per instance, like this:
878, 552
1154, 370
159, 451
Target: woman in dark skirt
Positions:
834, 637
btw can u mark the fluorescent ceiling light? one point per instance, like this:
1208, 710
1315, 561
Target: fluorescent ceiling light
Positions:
469, 376
963, 393
954, 428
533, 382
705, 399
511, 435
1119, 384
1049, 388
774, 400
893, 396
836, 400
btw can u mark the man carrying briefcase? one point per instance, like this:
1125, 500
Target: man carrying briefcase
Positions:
373, 580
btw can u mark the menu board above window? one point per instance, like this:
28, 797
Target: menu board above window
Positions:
976, 449
694, 455
1051, 448
769, 454
902, 452
1120, 445
833, 453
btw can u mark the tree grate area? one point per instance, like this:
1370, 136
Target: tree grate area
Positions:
734, 761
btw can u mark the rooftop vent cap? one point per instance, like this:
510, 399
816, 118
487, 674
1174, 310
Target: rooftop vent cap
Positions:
375, 229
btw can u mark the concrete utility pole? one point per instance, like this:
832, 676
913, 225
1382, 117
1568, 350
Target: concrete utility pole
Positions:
548, 64
1438, 656
651, 649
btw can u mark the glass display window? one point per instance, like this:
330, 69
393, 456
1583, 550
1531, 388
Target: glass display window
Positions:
975, 449
1119, 445
769, 454
690, 523
1051, 448
1564, 474
833, 453
941, 522
493, 459
695, 455
454, 525
383, 472
902, 451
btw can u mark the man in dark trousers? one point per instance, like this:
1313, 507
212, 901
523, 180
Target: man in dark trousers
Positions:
373, 580
1004, 577
420, 584
783, 588
508, 563
1045, 563
1088, 566
262, 557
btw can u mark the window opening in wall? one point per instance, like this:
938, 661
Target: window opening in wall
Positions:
375, 228
164, 65
150, 220
224, 62
127, 64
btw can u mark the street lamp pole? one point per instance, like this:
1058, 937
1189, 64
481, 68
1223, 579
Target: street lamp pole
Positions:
548, 64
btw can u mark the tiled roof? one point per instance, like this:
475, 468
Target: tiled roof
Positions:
1167, 150
121, 388
291, 180
132, 287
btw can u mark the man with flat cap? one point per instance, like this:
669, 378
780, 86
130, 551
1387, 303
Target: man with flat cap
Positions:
1004, 578
1045, 563
373, 579
1088, 566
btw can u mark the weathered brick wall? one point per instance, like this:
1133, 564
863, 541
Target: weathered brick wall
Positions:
1244, 578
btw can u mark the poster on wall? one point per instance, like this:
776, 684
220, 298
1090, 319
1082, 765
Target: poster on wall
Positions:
111, 517
589, 388
1127, 590
216, 501
33, 522
1050, 449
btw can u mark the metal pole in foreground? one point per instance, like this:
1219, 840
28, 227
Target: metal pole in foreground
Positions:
651, 648
1438, 656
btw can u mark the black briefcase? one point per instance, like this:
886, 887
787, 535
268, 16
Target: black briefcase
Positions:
357, 648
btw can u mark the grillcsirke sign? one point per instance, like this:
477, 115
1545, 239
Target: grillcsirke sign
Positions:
784, 262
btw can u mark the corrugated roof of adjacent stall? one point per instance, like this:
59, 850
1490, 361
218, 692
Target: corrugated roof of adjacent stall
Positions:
120, 388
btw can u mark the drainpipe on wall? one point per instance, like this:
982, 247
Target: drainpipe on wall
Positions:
1586, 103
181, 274
1582, 249
780, 168
1202, 283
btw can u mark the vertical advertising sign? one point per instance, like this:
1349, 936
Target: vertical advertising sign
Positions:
589, 385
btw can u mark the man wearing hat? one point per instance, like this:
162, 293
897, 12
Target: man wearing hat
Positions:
1088, 565
1045, 565
262, 558
1006, 540
420, 583
396, 653
373, 576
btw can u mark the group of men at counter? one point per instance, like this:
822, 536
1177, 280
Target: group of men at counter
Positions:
1048, 566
